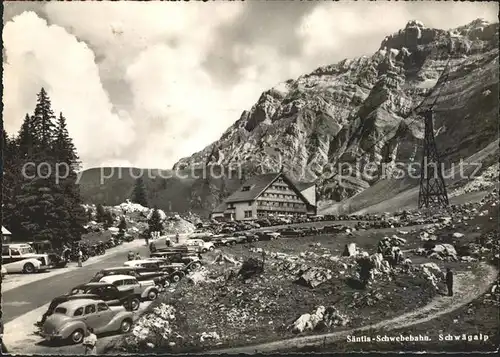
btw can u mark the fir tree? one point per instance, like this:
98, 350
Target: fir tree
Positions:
108, 219
139, 194
122, 226
26, 140
63, 146
43, 122
65, 153
100, 213
155, 223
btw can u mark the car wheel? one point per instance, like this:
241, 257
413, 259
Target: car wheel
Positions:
196, 265
204, 250
152, 295
228, 244
176, 278
28, 268
233, 243
211, 248
134, 304
126, 326
77, 336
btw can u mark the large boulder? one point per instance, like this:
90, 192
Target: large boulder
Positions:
350, 250
303, 323
444, 251
434, 268
314, 277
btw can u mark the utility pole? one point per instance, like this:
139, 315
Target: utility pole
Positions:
432, 187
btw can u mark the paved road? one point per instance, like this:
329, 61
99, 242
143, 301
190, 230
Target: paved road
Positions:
23, 299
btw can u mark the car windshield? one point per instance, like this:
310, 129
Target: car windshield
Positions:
78, 291
26, 250
60, 310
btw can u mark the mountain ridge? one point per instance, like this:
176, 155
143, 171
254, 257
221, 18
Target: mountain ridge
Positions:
356, 108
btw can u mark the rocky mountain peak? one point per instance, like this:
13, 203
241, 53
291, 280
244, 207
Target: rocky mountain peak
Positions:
357, 108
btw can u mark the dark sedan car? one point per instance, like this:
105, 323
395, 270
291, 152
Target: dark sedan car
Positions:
160, 277
110, 294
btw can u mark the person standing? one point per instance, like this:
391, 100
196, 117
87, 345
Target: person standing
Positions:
449, 281
80, 257
130, 255
137, 256
90, 342
177, 238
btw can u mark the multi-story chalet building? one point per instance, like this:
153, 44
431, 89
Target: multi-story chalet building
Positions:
268, 194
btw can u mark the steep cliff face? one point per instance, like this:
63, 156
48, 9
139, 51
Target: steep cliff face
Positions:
354, 111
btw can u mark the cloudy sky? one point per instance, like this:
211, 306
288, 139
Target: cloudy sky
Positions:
146, 83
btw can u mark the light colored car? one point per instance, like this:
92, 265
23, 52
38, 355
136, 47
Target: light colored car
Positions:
146, 289
70, 320
202, 246
4, 271
199, 233
141, 263
21, 258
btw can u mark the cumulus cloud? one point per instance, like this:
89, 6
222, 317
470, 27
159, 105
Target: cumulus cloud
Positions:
41, 55
147, 83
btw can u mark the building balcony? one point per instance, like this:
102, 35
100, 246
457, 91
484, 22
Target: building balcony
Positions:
276, 199
281, 209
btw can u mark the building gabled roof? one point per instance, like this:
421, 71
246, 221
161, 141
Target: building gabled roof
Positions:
5, 231
301, 186
256, 184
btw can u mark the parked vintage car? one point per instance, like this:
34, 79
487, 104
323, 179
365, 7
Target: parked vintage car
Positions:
292, 232
143, 263
147, 290
268, 235
177, 257
21, 258
70, 320
110, 294
202, 246
250, 237
62, 299
160, 277
225, 241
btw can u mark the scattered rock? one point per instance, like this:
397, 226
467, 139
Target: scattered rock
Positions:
213, 336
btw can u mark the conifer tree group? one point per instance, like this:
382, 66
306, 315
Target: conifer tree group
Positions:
155, 223
41, 196
139, 194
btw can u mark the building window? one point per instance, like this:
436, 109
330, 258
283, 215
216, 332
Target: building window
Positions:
248, 214
249, 203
